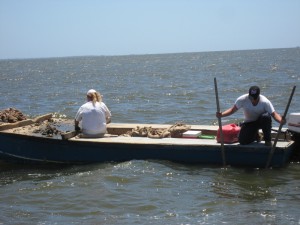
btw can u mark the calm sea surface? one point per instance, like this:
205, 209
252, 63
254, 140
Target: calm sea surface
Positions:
165, 88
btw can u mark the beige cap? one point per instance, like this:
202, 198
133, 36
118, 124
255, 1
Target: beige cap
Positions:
90, 91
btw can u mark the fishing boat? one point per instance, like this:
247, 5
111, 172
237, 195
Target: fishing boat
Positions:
23, 142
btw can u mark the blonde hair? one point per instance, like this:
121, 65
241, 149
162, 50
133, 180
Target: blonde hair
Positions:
95, 97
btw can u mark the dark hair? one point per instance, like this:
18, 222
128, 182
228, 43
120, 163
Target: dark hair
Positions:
254, 92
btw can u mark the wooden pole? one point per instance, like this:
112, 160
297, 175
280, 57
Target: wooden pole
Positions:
220, 123
279, 130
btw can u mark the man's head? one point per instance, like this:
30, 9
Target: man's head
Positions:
254, 92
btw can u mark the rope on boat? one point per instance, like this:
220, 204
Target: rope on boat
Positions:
175, 131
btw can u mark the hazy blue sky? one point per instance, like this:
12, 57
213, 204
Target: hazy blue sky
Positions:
55, 28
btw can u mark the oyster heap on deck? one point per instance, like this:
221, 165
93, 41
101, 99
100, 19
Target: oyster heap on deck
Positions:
11, 115
174, 131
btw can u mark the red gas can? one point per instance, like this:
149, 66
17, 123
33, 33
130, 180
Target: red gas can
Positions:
230, 133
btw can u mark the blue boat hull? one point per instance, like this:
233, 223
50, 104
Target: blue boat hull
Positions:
29, 149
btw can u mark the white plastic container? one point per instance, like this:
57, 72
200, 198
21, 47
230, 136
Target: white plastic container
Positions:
294, 122
191, 134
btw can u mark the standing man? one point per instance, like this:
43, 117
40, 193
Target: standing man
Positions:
257, 111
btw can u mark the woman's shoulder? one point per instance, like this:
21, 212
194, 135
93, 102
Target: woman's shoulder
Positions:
101, 103
85, 104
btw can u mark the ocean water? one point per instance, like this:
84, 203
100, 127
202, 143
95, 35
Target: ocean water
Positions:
165, 88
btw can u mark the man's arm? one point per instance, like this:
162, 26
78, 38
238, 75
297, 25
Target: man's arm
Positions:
227, 112
278, 117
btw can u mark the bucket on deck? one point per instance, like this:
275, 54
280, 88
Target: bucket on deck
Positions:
294, 122
230, 133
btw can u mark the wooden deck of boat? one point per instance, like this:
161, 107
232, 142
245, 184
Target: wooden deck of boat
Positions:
116, 129
169, 141
123, 127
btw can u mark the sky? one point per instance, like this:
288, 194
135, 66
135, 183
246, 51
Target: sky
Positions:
59, 28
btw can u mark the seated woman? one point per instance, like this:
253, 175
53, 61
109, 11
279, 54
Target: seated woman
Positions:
94, 115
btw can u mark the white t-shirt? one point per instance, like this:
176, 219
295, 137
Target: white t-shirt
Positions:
93, 117
252, 112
